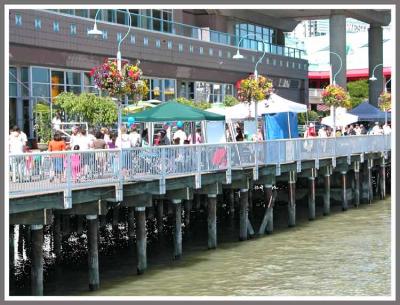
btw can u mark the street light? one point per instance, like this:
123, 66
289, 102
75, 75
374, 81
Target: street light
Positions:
340, 68
373, 78
95, 31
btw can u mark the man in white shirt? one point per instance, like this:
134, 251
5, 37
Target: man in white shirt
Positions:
180, 133
134, 136
16, 146
386, 129
375, 130
322, 132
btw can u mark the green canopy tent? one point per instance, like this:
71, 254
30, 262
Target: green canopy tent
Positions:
174, 111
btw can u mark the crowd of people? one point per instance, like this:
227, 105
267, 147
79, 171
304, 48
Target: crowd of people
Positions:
349, 130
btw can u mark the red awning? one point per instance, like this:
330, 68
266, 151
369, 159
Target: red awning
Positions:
323, 108
349, 74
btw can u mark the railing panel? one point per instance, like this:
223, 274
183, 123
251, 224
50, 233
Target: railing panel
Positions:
30, 173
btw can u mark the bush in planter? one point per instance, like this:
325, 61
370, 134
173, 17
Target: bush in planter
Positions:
230, 100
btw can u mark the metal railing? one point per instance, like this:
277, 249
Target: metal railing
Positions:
32, 173
199, 33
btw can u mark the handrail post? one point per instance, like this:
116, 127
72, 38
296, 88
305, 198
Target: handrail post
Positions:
228, 164
255, 170
198, 167
68, 189
163, 171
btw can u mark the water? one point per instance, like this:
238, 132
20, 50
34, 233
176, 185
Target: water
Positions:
344, 254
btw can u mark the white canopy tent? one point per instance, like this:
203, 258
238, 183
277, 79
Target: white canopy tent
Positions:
342, 118
274, 104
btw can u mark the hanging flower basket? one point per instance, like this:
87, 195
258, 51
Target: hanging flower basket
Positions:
118, 83
336, 96
385, 101
252, 89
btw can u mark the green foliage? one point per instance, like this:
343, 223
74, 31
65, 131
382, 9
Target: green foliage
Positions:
95, 110
312, 116
200, 105
230, 100
358, 91
43, 122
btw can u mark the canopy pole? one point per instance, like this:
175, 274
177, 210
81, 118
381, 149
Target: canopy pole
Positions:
290, 133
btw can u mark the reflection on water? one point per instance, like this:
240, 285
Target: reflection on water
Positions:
345, 254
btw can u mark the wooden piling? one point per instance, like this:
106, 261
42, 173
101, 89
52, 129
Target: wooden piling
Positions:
243, 214
369, 177
79, 224
292, 199
11, 246
357, 183
327, 193
37, 260
57, 236
20, 239
188, 208
250, 192
178, 228
231, 202
160, 217
212, 221
115, 218
344, 191
131, 224
141, 239
382, 180
311, 195
93, 255
267, 224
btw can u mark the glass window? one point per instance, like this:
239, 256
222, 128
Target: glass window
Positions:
74, 89
92, 14
12, 89
12, 74
158, 43
57, 77
111, 15
73, 78
87, 79
41, 90
40, 75
121, 19
169, 91
82, 13
156, 89
56, 90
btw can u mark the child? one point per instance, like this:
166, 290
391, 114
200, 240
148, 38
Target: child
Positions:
75, 164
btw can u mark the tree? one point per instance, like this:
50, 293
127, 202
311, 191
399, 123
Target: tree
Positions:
200, 105
358, 91
42, 122
230, 100
311, 115
95, 110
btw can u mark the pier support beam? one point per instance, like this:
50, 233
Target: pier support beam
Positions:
79, 224
244, 197
131, 224
141, 240
37, 260
231, 201
344, 190
292, 199
327, 191
356, 168
311, 195
212, 221
93, 255
178, 228
382, 179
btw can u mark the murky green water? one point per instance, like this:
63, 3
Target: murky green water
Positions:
344, 254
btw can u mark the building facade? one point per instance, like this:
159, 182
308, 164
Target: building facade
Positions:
183, 53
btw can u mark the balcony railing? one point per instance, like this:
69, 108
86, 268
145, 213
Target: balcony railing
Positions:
203, 34
36, 173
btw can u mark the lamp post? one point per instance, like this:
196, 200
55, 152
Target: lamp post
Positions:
95, 31
334, 83
240, 56
373, 78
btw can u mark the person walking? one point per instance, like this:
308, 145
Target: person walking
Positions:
56, 122
134, 137
57, 144
180, 133
16, 146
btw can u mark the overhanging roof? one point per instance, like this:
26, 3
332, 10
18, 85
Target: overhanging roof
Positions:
287, 19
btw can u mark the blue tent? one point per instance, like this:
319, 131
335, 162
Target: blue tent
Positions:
281, 125
366, 112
